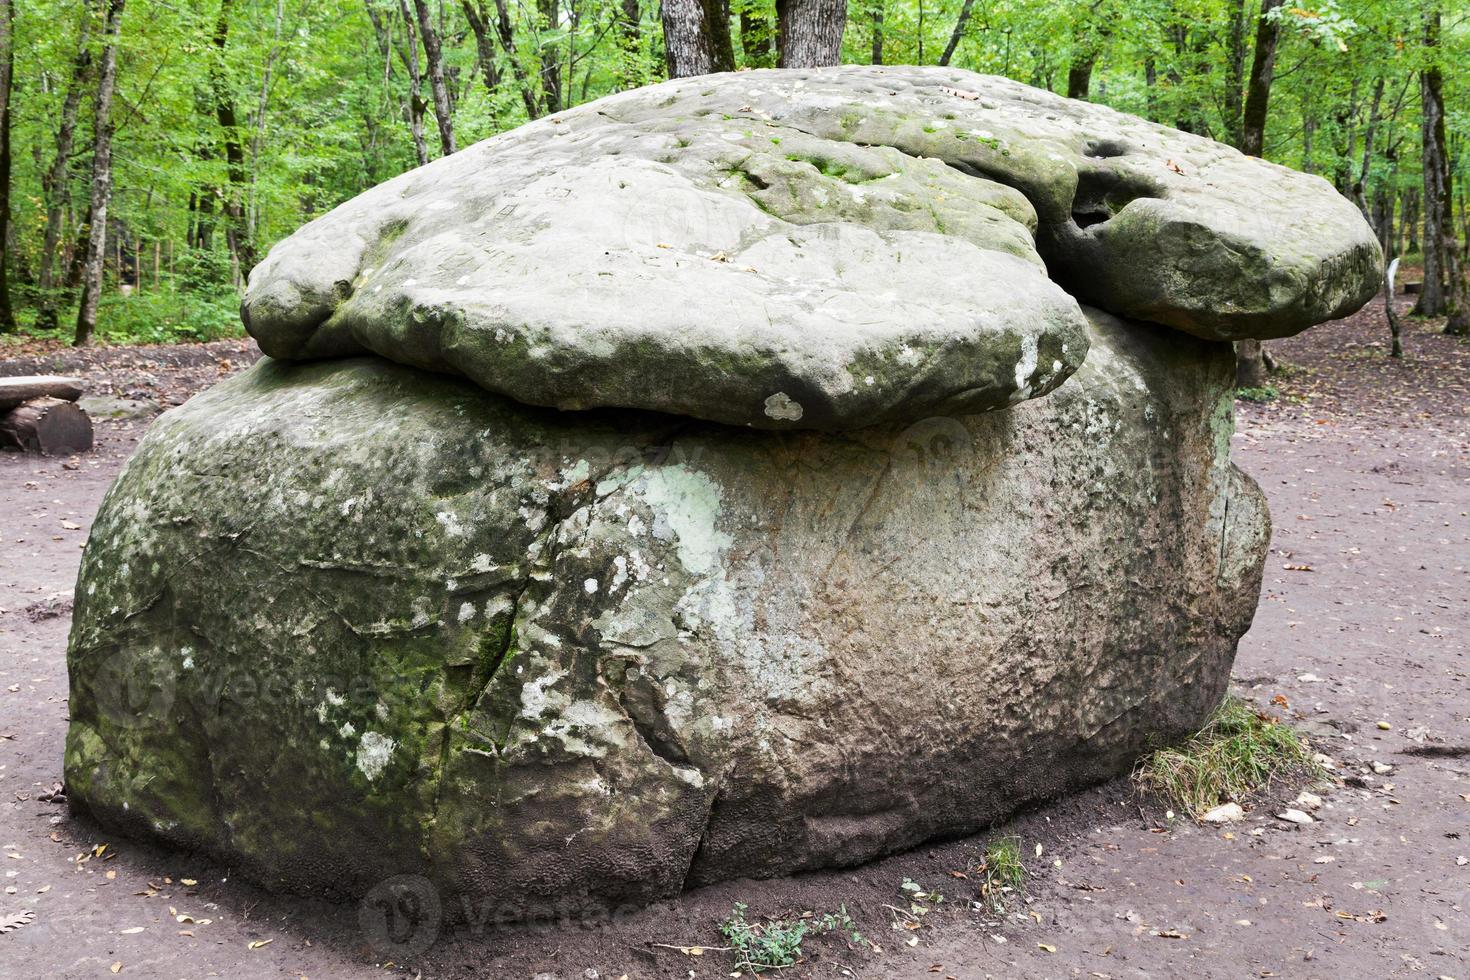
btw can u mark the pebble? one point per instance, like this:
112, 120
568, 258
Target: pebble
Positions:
1309, 801
1292, 815
1224, 813
1382, 768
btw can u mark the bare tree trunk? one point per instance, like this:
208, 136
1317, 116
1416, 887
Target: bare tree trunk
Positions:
1079, 77
7, 79
55, 185
877, 58
810, 32
1360, 185
410, 56
957, 34
697, 37
478, 19
1233, 109
1431, 93
101, 176
242, 253
1250, 364
443, 111
549, 12
1258, 88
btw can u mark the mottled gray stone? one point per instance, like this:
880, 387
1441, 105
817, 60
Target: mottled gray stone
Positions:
347, 620
809, 249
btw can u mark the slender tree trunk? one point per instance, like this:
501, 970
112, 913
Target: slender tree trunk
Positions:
443, 111
56, 185
1151, 87
810, 32
101, 176
1250, 355
697, 37
410, 56
242, 253
478, 18
1258, 88
1431, 93
1233, 109
506, 33
1360, 185
549, 15
957, 34
877, 58
7, 79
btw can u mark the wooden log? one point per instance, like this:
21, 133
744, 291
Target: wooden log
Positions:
50, 426
15, 391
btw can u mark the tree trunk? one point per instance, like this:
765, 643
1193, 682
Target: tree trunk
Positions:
549, 14
1436, 194
479, 20
101, 176
443, 111
1079, 77
55, 185
697, 37
957, 34
7, 78
877, 58
506, 33
1250, 364
410, 56
1258, 88
242, 253
810, 32
1360, 185
1233, 108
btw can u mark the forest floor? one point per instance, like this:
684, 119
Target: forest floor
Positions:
1362, 638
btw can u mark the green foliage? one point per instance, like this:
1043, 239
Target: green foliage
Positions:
1238, 752
776, 943
1258, 395
321, 100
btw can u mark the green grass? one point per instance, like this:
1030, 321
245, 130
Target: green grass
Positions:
1002, 875
1237, 753
776, 943
1266, 394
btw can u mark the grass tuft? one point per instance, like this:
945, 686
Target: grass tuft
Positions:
1238, 752
1002, 875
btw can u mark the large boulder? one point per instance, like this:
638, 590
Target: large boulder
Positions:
810, 249
576, 627
345, 620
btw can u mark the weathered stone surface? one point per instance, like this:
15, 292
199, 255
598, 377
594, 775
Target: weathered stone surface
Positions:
344, 620
809, 249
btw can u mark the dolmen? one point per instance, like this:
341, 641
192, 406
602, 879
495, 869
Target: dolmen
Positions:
746, 474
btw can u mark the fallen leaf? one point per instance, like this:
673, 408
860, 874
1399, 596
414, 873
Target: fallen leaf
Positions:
133, 931
1049, 949
116, 967
266, 942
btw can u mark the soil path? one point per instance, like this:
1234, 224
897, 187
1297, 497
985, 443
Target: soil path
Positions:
1363, 631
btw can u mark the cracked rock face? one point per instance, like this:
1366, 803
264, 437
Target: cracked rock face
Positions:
810, 249
347, 620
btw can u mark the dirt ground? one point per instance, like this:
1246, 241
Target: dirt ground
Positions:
1362, 637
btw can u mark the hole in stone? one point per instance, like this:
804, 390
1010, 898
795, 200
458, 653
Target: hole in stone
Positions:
1103, 149
1102, 193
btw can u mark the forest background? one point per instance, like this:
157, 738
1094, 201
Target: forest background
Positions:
151, 151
